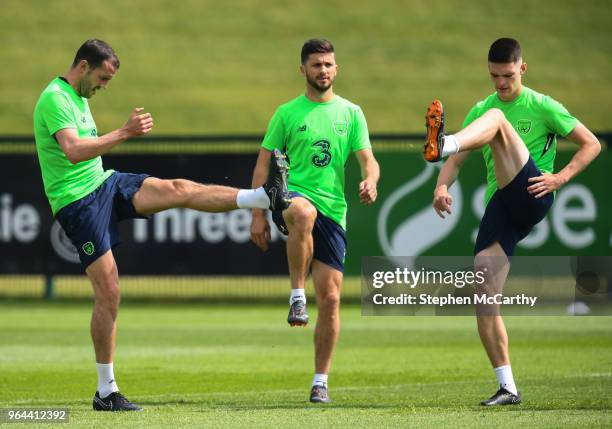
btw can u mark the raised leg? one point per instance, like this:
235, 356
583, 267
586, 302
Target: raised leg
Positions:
508, 150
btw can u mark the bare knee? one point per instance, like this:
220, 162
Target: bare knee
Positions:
505, 128
108, 298
329, 303
495, 114
301, 217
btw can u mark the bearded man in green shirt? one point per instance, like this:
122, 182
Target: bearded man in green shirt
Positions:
89, 201
318, 131
516, 128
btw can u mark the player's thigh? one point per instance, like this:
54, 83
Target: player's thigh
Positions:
327, 281
509, 154
160, 194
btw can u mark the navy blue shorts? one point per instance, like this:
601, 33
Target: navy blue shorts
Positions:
329, 239
91, 223
512, 212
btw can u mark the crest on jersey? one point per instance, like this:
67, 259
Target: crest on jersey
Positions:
88, 248
523, 126
340, 127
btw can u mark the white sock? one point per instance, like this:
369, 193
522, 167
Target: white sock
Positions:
297, 295
253, 199
505, 379
106, 379
451, 145
319, 380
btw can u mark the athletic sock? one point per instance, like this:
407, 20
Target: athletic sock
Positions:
505, 378
253, 199
106, 379
320, 380
297, 295
451, 145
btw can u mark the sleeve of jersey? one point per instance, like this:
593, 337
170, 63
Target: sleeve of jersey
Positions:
275, 134
360, 136
558, 118
57, 113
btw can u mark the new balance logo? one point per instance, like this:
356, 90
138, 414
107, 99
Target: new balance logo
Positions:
302, 129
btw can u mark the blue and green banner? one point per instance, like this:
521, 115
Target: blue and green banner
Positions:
184, 242
403, 222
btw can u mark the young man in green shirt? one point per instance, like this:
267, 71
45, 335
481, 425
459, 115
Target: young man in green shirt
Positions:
89, 202
318, 131
516, 128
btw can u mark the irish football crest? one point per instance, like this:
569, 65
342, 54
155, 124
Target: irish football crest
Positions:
340, 127
88, 248
523, 126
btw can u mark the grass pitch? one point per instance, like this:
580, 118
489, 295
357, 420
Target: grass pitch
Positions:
242, 366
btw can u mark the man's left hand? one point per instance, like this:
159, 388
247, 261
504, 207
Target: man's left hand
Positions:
545, 184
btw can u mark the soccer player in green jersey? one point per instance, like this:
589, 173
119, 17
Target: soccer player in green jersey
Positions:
318, 131
516, 127
89, 201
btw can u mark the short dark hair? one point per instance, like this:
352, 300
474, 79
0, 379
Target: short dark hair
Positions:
316, 46
95, 52
505, 50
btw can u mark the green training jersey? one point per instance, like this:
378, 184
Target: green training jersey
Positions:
537, 118
318, 139
60, 107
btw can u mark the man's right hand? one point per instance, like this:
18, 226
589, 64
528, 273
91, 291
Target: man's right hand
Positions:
442, 201
260, 229
139, 124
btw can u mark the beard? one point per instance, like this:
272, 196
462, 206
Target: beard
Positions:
321, 88
85, 90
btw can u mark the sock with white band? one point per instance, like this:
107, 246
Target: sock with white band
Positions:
451, 145
106, 379
297, 295
505, 378
253, 199
320, 380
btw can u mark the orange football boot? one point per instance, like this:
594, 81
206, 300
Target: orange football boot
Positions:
434, 122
